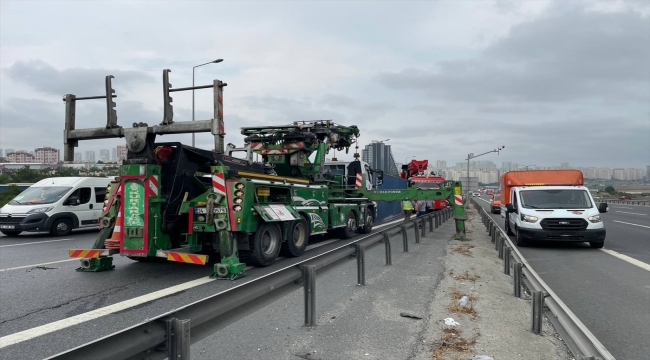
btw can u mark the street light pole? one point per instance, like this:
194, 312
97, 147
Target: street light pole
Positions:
472, 156
193, 68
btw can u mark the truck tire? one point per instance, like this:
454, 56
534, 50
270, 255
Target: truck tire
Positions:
11, 233
520, 241
370, 221
597, 244
61, 227
350, 228
507, 226
297, 238
265, 245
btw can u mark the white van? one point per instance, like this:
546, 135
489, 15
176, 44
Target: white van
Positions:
57, 205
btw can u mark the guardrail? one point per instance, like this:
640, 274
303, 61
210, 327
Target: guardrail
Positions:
168, 335
626, 202
582, 343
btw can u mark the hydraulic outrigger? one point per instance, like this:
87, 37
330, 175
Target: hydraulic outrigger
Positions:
181, 203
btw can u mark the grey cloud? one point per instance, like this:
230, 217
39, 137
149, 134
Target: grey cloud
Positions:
44, 78
556, 58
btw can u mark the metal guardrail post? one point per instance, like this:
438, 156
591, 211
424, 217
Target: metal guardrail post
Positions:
517, 279
405, 239
538, 312
506, 260
309, 286
493, 238
178, 339
436, 219
500, 246
431, 222
424, 229
389, 260
361, 265
416, 223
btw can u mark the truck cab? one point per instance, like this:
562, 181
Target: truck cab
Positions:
554, 213
349, 170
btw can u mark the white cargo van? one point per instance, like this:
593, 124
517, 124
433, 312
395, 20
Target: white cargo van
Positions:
57, 205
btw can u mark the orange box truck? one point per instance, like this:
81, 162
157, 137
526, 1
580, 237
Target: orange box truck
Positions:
551, 205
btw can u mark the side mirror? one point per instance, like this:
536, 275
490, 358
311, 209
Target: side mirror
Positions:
510, 208
603, 207
72, 200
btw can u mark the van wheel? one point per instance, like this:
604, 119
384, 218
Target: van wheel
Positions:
597, 244
350, 226
367, 228
297, 238
507, 226
265, 245
61, 227
11, 233
520, 241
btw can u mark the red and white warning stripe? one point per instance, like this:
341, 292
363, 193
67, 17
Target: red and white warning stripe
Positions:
359, 181
219, 184
257, 146
458, 199
153, 185
296, 145
271, 152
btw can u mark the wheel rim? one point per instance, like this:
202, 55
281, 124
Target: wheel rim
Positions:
352, 223
269, 243
299, 234
62, 227
369, 221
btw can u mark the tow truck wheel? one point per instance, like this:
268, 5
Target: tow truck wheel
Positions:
297, 237
11, 232
367, 228
350, 228
265, 245
597, 244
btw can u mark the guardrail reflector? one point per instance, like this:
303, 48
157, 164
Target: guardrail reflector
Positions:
187, 258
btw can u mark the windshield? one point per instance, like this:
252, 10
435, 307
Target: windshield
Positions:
497, 198
40, 195
334, 169
555, 199
428, 185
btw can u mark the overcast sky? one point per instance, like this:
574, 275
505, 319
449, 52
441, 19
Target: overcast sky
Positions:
553, 81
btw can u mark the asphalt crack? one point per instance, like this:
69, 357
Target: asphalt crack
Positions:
103, 293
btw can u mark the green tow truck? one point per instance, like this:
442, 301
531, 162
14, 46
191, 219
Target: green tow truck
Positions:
185, 204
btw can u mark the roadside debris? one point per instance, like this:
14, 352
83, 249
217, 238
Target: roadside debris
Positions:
403, 314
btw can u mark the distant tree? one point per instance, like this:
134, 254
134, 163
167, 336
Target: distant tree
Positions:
100, 162
610, 189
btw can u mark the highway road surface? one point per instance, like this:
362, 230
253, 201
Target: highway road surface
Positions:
608, 289
48, 307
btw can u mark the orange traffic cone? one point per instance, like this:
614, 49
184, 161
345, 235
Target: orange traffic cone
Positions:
116, 237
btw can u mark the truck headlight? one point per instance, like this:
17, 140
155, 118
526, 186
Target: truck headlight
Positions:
595, 219
39, 210
529, 218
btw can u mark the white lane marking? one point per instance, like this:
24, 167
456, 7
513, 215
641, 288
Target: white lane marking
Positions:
38, 242
631, 260
35, 265
625, 212
627, 223
620, 207
107, 310
94, 314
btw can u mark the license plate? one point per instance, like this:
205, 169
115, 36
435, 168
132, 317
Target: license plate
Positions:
7, 226
204, 211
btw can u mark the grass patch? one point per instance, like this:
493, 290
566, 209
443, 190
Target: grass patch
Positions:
463, 250
465, 276
451, 341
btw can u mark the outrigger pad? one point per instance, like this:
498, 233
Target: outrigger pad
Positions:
96, 264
